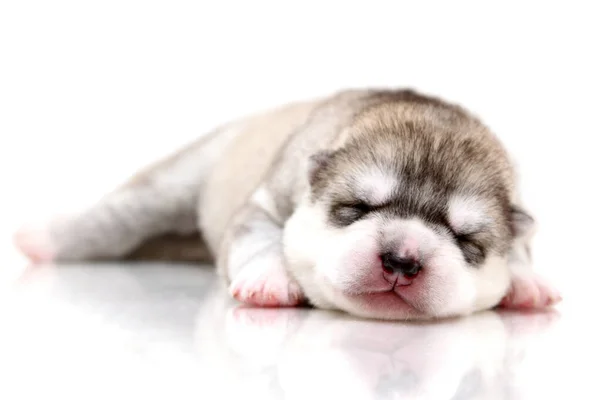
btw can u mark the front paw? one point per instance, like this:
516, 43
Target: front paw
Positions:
265, 283
530, 291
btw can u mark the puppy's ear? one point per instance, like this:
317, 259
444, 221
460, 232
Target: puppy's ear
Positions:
521, 222
317, 164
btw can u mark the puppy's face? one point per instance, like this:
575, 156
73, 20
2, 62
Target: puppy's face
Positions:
400, 230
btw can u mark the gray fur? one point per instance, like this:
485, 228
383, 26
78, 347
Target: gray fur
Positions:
308, 150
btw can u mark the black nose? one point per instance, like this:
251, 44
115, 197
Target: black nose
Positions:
405, 266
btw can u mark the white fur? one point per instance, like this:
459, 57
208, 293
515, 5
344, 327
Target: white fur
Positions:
264, 200
264, 281
257, 270
491, 281
411, 238
376, 185
334, 265
252, 246
357, 246
467, 213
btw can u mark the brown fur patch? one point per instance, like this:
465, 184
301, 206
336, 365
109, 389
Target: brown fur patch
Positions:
435, 150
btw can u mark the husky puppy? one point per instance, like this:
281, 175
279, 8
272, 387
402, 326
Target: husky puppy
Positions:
386, 204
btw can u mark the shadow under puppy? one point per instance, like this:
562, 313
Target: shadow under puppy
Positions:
382, 203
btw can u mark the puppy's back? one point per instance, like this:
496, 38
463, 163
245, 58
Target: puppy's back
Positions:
243, 164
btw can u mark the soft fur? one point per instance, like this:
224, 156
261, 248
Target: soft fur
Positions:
317, 201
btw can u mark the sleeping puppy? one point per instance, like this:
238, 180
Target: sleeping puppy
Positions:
385, 204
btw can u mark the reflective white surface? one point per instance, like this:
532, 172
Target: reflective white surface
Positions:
92, 91
166, 331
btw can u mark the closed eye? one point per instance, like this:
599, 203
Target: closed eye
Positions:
471, 248
465, 233
347, 213
463, 237
360, 206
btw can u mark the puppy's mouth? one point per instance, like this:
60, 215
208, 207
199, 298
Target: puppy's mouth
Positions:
388, 302
390, 297
395, 283
378, 291
398, 280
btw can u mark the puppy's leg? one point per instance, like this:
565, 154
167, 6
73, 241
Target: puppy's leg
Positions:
161, 199
252, 261
528, 289
111, 228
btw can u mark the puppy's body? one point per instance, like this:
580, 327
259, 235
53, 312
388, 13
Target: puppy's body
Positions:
385, 204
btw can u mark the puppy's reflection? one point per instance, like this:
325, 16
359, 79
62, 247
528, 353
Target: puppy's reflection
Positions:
299, 354
370, 359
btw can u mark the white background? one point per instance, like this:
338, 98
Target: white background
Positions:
90, 91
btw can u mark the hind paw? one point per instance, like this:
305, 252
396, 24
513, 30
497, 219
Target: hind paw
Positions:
34, 242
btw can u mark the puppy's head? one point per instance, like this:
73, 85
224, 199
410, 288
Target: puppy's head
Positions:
406, 220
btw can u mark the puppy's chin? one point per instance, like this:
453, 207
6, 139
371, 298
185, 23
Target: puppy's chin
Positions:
341, 269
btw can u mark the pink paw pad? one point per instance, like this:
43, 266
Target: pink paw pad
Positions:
268, 288
530, 292
34, 242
